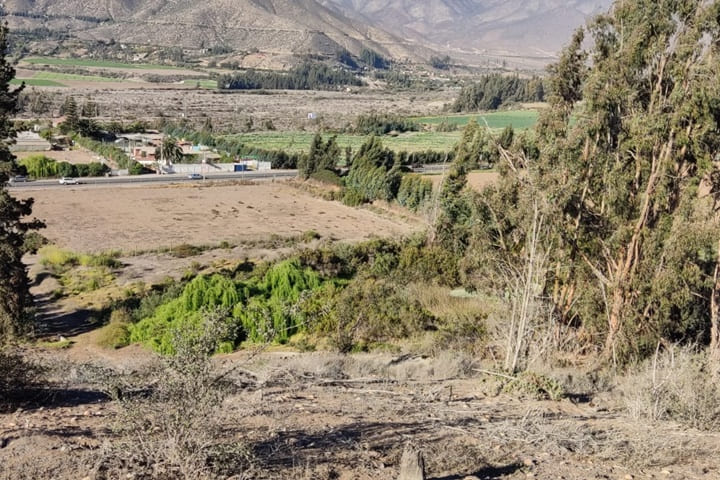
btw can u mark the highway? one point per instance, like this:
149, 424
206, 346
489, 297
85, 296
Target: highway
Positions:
156, 179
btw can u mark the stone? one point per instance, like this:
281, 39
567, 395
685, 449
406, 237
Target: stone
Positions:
412, 464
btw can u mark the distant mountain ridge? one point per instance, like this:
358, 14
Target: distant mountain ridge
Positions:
468, 30
532, 28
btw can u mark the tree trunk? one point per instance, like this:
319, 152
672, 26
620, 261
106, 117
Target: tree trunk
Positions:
715, 312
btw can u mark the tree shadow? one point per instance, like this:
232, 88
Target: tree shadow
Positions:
490, 472
52, 321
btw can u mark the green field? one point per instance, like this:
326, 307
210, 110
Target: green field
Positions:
36, 82
295, 142
519, 119
52, 76
86, 62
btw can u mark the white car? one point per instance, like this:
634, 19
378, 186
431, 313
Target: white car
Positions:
68, 181
195, 176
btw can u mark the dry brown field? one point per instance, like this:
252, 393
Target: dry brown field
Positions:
76, 156
132, 218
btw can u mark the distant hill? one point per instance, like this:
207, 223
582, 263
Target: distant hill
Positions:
533, 29
468, 30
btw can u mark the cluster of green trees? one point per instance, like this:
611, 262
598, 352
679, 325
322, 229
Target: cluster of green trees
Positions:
40, 166
354, 295
374, 59
383, 123
307, 76
493, 91
441, 63
258, 308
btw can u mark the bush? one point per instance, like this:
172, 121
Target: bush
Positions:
136, 168
116, 333
40, 166
327, 176
370, 311
175, 431
679, 385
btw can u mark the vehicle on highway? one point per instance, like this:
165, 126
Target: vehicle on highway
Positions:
18, 179
195, 176
68, 181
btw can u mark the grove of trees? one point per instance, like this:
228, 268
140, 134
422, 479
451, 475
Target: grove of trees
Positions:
491, 92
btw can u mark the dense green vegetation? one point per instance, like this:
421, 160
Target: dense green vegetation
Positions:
258, 308
491, 92
381, 124
40, 166
308, 76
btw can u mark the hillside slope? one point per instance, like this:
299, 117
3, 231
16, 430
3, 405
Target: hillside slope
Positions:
537, 28
471, 31
271, 26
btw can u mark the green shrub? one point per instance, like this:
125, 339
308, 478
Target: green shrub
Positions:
39, 166
327, 176
185, 250
116, 334
369, 311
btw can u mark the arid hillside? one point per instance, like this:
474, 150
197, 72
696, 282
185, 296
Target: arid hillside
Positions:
475, 32
471, 29
272, 26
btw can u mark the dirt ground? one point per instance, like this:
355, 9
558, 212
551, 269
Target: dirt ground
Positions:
141, 218
324, 416
76, 156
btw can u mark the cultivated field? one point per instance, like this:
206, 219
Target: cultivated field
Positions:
519, 119
92, 219
296, 142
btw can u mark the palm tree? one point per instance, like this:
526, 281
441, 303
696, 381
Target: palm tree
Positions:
170, 151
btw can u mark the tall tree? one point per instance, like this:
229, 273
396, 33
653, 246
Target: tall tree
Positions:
633, 238
14, 286
170, 151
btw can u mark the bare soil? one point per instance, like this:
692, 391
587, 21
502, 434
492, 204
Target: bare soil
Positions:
325, 416
141, 218
75, 156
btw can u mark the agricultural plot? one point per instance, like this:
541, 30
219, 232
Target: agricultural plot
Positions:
295, 142
84, 62
519, 119
36, 82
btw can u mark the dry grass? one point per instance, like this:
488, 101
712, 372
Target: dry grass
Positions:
677, 385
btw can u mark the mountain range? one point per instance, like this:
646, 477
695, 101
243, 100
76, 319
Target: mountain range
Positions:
530, 31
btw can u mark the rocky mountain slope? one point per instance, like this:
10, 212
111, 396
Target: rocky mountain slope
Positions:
506, 28
468, 30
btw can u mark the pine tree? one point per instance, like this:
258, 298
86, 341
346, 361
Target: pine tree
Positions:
14, 285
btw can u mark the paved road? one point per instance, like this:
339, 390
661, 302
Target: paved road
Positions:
150, 178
